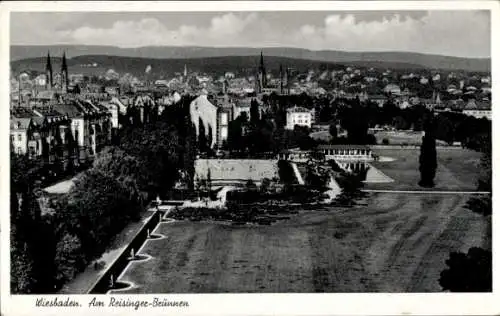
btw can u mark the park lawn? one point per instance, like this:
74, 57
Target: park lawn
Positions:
402, 138
399, 137
394, 243
458, 169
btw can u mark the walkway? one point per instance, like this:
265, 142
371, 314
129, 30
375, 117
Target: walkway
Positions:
85, 280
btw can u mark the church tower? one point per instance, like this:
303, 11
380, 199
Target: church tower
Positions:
48, 72
287, 80
281, 79
64, 74
262, 73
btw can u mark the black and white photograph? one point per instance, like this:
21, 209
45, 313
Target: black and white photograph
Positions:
247, 150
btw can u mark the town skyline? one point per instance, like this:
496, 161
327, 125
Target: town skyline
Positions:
445, 33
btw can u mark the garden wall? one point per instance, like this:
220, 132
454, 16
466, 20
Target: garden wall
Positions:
102, 284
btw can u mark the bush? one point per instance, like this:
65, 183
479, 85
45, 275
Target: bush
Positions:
385, 141
285, 172
70, 257
471, 272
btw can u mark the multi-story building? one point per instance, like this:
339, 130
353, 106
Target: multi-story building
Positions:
214, 114
55, 135
24, 135
241, 106
90, 127
224, 116
298, 116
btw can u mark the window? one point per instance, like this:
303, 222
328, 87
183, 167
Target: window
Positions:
223, 118
223, 133
12, 138
19, 137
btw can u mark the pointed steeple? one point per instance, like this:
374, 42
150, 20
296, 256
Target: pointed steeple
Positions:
64, 74
281, 79
287, 79
64, 66
48, 71
48, 66
262, 73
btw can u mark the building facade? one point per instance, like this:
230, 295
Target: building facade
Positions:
298, 116
346, 152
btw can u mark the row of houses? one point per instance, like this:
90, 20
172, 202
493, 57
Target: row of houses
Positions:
71, 131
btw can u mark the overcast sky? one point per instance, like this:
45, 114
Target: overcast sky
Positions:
455, 33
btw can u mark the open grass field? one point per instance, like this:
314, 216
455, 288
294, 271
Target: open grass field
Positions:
393, 242
401, 137
458, 169
396, 243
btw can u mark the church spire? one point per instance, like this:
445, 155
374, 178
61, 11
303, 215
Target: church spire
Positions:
64, 73
48, 71
262, 73
281, 79
64, 67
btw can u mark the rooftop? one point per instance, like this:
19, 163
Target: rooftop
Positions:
68, 109
48, 112
298, 109
343, 147
20, 112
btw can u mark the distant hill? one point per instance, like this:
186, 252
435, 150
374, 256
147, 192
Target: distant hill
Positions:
19, 52
167, 67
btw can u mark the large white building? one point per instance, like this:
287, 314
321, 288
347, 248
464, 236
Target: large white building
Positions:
342, 153
215, 118
298, 116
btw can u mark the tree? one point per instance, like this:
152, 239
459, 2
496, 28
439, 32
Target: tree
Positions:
355, 121
471, 272
22, 279
96, 208
126, 169
265, 185
285, 172
209, 181
69, 258
203, 140
158, 147
254, 112
333, 130
250, 185
428, 159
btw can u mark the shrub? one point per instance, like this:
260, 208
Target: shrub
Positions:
285, 172
70, 257
471, 272
385, 141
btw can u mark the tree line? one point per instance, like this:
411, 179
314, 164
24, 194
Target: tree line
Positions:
50, 246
